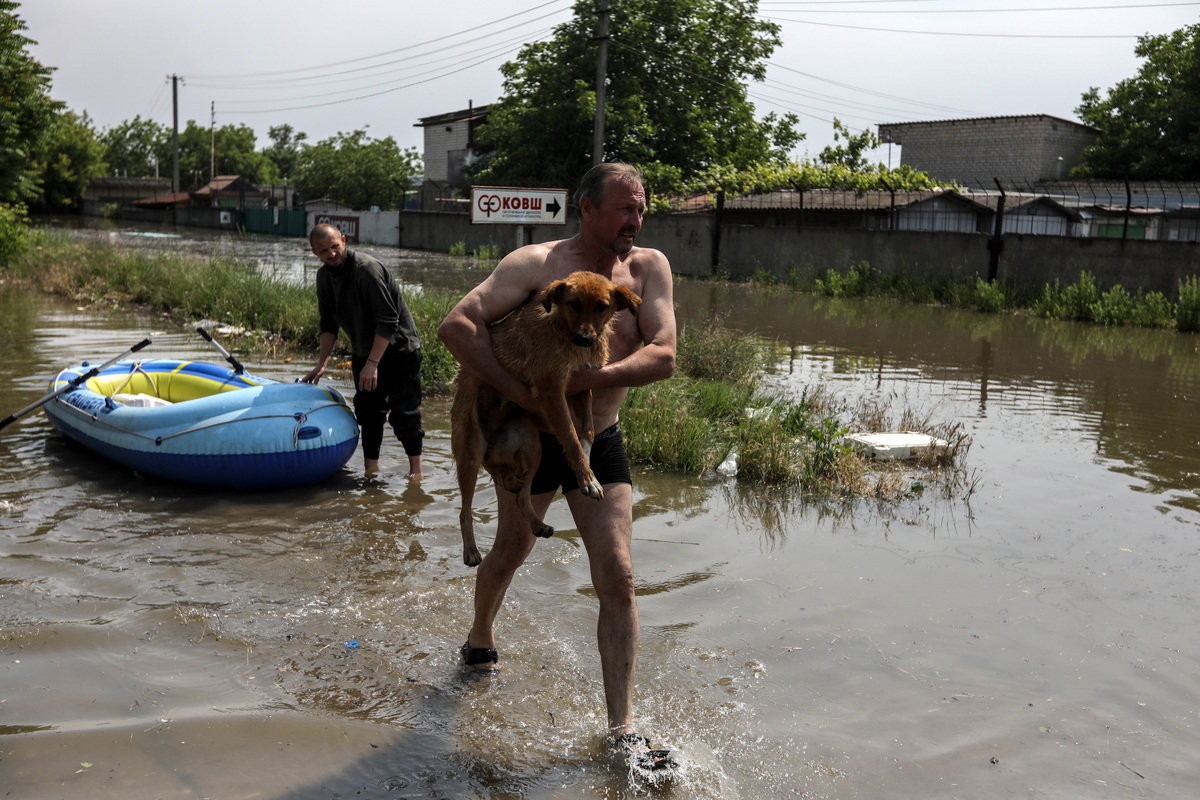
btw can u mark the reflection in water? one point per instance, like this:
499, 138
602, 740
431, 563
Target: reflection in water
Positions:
790, 647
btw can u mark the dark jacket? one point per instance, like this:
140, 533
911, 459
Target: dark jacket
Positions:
362, 298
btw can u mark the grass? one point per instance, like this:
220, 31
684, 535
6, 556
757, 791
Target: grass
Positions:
279, 315
1081, 301
485, 252
714, 407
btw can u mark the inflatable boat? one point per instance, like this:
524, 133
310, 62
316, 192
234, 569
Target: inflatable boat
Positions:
204, 424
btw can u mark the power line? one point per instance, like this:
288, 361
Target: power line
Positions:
316, 80
953, 33
498, 49
372, 94
247, 76
1138, 6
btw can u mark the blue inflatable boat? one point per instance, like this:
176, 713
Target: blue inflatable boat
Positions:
205, 424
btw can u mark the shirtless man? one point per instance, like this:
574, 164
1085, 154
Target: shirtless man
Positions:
611, 201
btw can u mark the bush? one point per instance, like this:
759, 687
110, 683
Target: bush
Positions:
1187, 313
15, 234
988, 297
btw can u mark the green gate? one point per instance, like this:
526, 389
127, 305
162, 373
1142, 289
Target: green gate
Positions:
279, 221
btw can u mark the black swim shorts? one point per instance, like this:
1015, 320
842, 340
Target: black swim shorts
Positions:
609, 462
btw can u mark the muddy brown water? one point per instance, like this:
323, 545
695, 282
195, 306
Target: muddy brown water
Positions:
1031, 636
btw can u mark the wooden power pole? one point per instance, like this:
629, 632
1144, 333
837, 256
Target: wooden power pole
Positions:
601, 77
175, 140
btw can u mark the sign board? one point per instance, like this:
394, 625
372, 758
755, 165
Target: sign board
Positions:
502, 205
347, 225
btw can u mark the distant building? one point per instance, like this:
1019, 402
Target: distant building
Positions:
124, 191
450, 144
1028, 148
230, 191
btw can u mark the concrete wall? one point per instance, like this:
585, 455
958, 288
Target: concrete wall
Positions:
219, 218
1027, 262
1017, 148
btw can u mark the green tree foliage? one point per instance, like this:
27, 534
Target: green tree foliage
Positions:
27, 114
676, 100
138, 148
850, 155
284, 152
71, 157
357, 170
235, 155
1150, 122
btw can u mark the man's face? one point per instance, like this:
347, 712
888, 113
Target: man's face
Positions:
330, 249
618, 218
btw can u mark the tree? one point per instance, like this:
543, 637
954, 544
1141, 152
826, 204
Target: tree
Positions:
850, 155
138, 148
71, 157
1150, 123
284, 152
676, 101
235, 155
27, 113
357, 170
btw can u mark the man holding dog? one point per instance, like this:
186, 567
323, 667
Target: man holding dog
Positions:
611, 200
356, 293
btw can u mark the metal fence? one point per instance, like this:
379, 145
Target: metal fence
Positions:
1121, 210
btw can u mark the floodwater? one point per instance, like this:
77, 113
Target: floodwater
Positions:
1030, 636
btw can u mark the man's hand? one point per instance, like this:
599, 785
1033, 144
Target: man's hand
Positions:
368, 379
313, 376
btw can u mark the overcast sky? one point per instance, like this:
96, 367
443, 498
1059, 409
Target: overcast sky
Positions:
328, 67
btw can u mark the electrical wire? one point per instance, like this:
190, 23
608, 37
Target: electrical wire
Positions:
292, 72
1138, 6
499, 48
960, 33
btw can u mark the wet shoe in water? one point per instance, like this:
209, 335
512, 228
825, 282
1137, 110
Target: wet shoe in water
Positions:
636, 748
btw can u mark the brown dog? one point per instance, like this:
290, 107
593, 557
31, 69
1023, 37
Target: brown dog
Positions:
541, 343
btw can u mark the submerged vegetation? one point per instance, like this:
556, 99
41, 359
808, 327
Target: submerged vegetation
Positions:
279, 315
713, 408
715, 415
1081, 301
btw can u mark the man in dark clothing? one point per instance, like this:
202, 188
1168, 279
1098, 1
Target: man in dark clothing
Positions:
357, 294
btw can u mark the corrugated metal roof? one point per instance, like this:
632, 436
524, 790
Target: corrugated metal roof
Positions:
883, 125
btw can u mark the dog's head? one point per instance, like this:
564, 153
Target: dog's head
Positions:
585, 304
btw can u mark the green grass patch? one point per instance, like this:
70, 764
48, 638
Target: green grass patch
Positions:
1081, 301
279, 315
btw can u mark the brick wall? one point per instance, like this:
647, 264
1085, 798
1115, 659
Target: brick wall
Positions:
439, 142
973, 151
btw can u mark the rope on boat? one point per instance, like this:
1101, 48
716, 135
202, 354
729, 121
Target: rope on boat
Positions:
133, 370
158, 440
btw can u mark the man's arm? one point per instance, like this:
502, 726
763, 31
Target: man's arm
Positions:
655, 361
465, 329
328, 340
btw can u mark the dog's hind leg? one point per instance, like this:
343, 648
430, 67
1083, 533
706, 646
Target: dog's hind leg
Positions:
466, 444
513, 455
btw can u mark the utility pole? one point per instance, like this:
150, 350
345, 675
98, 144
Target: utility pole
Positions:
212, 162
601, 70
175, 144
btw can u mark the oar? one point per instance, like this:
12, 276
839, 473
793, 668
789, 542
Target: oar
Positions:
72, 384
237, 367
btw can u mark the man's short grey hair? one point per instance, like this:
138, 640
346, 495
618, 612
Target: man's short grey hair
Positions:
595, 183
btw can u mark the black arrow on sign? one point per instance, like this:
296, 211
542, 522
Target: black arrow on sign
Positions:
553, 207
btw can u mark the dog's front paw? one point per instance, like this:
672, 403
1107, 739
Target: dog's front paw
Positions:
542, 530
592, 489
471, 556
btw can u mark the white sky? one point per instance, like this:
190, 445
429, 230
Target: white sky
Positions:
385, 63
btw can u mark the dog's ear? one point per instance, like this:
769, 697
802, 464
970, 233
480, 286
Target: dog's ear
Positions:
623, 297
553, 294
